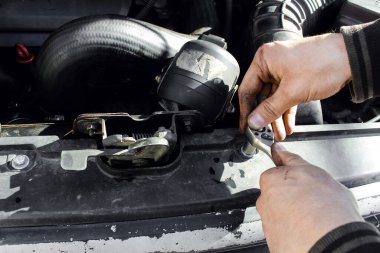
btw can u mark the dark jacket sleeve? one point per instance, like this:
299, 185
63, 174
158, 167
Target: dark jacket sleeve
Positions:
362, 43
355, 237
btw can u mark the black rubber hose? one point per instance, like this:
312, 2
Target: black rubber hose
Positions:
200, 14
74, 50
278, 20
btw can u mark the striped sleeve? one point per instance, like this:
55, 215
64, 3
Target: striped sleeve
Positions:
353, 237
363, 47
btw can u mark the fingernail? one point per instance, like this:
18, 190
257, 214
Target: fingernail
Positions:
256, 121
279, 147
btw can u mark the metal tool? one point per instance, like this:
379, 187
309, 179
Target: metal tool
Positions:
258, 139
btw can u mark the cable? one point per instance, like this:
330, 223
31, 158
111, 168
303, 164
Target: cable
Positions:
145, 10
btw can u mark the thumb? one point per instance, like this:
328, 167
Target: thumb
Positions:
281, 157
268, 111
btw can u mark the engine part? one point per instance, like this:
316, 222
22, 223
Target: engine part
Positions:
153, 148
355, 12
30, 22
201, 77
114, 42
309, 113
127, 144
145, 10
46, 16
20, 162
275, 20
200, 14
10, 88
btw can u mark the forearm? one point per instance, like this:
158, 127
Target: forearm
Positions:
353, 237
362, 43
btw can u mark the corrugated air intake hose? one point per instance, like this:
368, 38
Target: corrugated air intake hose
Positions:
280, 20
69, 55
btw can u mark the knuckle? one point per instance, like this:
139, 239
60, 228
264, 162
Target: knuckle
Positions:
265, 48
266, 178
270, 110
262, 53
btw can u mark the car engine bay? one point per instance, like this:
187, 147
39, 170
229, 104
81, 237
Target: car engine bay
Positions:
112, 63
126, 110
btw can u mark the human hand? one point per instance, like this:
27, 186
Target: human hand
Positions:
285, 74
300, 203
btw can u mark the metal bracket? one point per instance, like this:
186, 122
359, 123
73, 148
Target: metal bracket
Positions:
153, 148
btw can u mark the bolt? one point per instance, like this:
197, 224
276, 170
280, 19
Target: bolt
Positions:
247, 150
20, 162
91, 129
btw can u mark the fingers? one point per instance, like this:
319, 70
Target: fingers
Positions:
286, 162
281, 157
268, 111
290, 120
248, 91
279, 129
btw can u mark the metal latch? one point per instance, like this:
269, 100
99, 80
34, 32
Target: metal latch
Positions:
117, 147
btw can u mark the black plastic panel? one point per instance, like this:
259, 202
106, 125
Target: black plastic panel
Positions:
207, 176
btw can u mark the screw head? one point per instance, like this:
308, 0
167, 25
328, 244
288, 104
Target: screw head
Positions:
20, 162
91, 129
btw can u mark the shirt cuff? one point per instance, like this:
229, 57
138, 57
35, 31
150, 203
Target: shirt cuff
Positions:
348, 238
358, 40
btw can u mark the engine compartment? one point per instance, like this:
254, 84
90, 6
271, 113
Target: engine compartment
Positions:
34, 83
128, 116
136, 82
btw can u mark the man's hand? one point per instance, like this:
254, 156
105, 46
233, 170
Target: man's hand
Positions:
300, 203
285, 74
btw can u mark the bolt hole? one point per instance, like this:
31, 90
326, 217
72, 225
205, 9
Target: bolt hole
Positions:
268, 130
257, 134
17, 200
212, 171
216, 160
